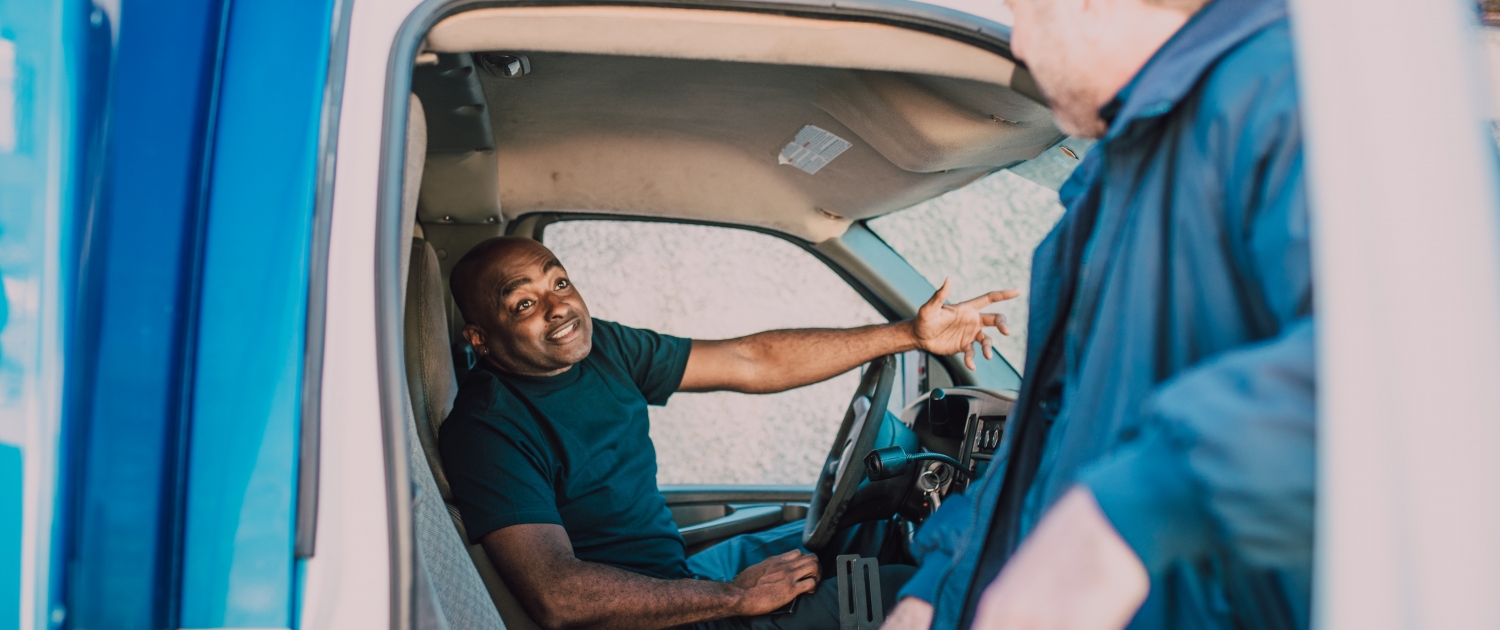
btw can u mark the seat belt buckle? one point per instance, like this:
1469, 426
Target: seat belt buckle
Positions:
860, 605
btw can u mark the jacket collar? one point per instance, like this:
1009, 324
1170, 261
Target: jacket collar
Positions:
1172, 72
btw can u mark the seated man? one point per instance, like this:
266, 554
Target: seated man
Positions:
551, 465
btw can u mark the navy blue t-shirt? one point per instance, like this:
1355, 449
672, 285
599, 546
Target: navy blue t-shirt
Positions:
573, 450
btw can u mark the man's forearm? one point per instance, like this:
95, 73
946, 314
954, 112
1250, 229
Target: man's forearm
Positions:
586, 594
779, 360
782, 359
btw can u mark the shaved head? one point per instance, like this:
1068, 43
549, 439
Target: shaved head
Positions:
522, 313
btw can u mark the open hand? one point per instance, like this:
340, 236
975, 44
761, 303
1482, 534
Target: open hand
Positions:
773, 582
944, 329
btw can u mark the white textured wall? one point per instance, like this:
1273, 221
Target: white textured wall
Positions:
711, 283
982, 236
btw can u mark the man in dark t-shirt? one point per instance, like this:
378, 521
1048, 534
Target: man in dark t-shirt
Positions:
552, 467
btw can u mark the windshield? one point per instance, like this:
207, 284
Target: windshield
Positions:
981, 236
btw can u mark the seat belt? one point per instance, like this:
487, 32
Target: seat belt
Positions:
860, 605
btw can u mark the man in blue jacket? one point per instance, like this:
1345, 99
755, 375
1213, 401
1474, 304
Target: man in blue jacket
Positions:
1158, 471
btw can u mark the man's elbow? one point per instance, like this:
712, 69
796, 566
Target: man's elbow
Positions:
557, 611
758, 374
749, 378
760, 385
560, 605
550, 618
753, 370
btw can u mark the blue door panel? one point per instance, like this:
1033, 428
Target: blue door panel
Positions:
238, 557
140, 256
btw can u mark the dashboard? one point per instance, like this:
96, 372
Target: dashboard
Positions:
965, 423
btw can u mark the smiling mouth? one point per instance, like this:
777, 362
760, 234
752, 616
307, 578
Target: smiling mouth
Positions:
565, 330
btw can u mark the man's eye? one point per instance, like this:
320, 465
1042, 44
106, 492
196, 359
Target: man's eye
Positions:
563, 284
524, 304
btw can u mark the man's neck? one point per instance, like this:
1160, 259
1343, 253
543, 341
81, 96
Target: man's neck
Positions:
1132, 47
524, 371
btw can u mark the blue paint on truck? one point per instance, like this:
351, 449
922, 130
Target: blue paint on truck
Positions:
157, 168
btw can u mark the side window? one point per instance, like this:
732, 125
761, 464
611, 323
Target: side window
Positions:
982, 237
708, 282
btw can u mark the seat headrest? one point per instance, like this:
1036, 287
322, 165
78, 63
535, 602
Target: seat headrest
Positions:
416, 159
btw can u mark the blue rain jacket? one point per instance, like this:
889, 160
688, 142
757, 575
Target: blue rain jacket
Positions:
1171, 346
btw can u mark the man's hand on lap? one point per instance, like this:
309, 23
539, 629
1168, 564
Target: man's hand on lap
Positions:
774, 581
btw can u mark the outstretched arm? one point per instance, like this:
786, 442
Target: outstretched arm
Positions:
560, 591
779, 360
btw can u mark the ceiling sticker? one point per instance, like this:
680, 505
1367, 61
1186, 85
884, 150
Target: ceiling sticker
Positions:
812, 149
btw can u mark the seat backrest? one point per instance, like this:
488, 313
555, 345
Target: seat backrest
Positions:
429, 359
416, 152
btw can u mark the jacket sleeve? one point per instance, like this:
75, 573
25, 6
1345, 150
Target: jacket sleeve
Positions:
1225, 457
933, 547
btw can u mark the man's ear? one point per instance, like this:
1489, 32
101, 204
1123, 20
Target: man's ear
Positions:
474, 335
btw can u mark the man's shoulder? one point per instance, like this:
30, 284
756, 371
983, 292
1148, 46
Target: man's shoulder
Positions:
607, 331
482, 401
1256, 79
620, 343
614, 334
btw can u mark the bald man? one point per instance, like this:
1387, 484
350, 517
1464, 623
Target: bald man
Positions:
552, 468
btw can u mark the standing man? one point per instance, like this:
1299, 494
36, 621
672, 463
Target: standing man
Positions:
1158, 472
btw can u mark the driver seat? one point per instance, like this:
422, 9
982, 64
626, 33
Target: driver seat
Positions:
467, 591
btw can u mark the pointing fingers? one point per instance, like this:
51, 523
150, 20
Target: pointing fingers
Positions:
989, 298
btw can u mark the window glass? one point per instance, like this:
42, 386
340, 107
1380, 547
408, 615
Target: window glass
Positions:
709, 282
981, 236
987, 9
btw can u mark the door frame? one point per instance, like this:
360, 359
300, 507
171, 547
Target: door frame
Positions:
390, 380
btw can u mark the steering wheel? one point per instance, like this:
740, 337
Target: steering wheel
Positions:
845, 467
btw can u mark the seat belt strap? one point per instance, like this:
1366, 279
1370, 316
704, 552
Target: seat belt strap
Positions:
860, 605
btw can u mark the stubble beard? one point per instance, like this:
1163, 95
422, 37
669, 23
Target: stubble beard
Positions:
1074, 107
1062, 71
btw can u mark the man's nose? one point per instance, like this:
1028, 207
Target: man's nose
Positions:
556, 308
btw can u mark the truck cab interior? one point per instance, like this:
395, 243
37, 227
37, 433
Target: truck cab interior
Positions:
795, 125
